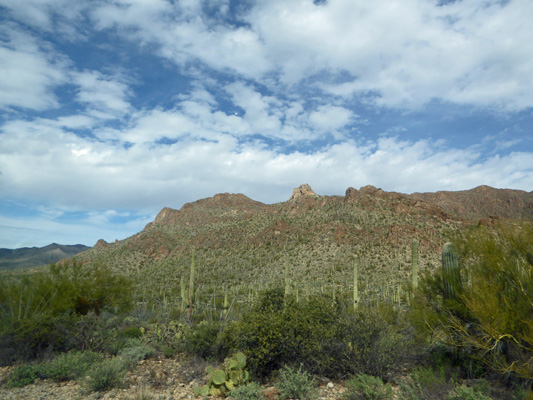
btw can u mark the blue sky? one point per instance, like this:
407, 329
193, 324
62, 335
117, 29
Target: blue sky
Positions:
113, 109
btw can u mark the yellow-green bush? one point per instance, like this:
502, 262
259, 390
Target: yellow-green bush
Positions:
493, 324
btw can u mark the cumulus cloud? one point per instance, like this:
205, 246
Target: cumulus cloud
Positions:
106, 97
397, 54
53, 162
261, 96
29, 71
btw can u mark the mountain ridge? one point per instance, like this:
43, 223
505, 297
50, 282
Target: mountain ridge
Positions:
28, 257
238, 239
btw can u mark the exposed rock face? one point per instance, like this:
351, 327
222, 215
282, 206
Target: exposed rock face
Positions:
167, 215
100, 244
482, 202
301, 191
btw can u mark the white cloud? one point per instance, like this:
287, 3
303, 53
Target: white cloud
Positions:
401, 54
47, 164
106, 97
29, 71
48, 15
329, 118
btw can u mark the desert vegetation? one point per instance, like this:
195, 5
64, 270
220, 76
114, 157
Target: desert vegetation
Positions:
462, 330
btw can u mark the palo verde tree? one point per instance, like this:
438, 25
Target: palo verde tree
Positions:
493, 315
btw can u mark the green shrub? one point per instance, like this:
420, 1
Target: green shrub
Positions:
24, 375
39, 311
324, 337
201, 340
490, 324
106, 374
132, 332
135, 352
375, 344
464, 392
70, 365
426, 384
250, 391
295, 383
367, 387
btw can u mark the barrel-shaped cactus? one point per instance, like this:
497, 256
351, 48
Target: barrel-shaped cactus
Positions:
451, 273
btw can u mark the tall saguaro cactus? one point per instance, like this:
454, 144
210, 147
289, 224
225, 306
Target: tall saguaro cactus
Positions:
451, 273
414, 264
183, 294
287, 281
355, 287
191, 288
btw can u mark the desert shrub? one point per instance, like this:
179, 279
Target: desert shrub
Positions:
39, 310
375, 343
38, 335
132, 332
250, 391
279, 331
135, 352
464, 392
490, 327
167, 337
426, 384
201, 340
106, 374
24, 375
367, 387
317, 333
70, 365
295, 383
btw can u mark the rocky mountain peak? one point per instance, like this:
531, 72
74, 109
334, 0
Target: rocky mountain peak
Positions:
302, 191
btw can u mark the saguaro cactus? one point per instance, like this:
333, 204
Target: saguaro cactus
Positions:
414, 264
191, 288
287, 280
183, 295
451, 274
355, 287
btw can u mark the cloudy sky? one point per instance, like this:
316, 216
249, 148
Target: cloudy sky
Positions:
113, 109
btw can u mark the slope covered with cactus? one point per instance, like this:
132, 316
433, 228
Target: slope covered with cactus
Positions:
242, 243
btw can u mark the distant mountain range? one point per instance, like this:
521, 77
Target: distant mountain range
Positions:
27, 257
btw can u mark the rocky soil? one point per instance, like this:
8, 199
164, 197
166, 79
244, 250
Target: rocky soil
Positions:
154, 379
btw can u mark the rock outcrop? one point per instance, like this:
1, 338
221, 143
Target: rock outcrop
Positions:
302, 191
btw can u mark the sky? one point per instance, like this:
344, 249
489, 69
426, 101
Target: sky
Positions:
113, 109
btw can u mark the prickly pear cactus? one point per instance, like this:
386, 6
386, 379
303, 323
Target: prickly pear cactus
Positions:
223, 381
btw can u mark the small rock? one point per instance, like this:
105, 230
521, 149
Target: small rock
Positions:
330, 385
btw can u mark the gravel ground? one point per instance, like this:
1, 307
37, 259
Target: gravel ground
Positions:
154, 379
